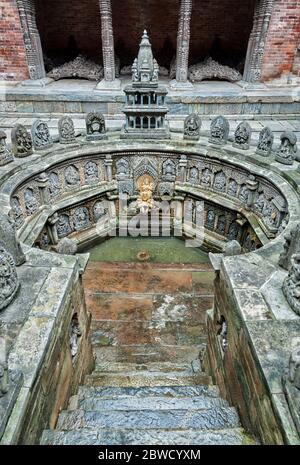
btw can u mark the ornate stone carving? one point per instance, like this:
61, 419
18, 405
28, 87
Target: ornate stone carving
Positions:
219, 131
242, 136
6, 155
63, 226
291, 247
291, 284
9, 283
233, 231
194, 175
183, 41
66, 130
9, 241
210, 220
4, 380
166, 188
210, 69
206, 177
244, 194
232, 188
220, 182
286, 153
81, 218
21, 141
17, 212
72, 177
95, 126
30, 201
168, 170
91, 172
192, 127
265, 143
54, 184
41, 135
221, 225
81, 67
259, 204
126, 187
123, 168
67, 246
107, 40
100, 210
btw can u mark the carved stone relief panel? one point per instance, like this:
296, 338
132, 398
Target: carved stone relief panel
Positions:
30, 200
63, 225
72, 177
80, 218
91, 172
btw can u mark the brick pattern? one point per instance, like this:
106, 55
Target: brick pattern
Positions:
13, 63
282, 40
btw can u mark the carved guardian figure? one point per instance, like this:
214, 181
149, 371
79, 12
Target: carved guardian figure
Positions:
41, 135
286, 153
95, 126
242, 136
265, 143
66, 130
6, 155
219, 131
192, 126
21, 141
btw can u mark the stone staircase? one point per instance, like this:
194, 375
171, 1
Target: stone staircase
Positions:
147, 386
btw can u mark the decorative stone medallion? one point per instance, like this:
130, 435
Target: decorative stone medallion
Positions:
219, 131
8, 278
192, 126
41, 135
286, 153
6, 155
242, 136
95, 126
265, 143
21, 141
66, 130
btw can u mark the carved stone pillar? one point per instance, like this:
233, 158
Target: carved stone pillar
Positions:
183, 168
52, 230
32, 42
43, 185
256, 45
108, 50
183, 45
108, 167
252, 186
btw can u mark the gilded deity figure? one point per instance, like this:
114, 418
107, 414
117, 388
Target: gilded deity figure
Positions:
145, 198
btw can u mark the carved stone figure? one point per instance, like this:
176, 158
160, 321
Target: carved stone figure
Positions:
72, 177
4, 381
210, 219
232, 188
265, 143
242, 136
122, 167
9, 282
66, 130
259, 204
21, 141
294, 368
99, 210
219, 131
95, 126
17, 212
63, 225
286, 153
81, 67
192, 127
9, 241
30, 201
67, 246
206, 178
244, 194
168, 170
54, 184
41, 135
220, 182
145, 199
194, 175
291, 247
221, 225
6, 155
80, 218
210, 69
233, 231
291, 284
91, 172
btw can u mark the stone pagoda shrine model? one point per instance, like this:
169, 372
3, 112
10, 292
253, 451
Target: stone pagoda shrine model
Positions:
145, 107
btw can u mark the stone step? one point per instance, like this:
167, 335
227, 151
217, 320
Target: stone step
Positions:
145, 379
214, 418
177, 392
151, 403
232, 436
164, 367
147, 353
115, 333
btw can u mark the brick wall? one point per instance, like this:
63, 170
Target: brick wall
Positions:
282, 40
58, 20
13, 64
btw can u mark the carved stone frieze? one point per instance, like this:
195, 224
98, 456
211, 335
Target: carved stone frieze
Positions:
211, 69
81, 68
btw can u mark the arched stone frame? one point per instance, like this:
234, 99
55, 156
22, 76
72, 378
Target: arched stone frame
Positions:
257, 40
32, 40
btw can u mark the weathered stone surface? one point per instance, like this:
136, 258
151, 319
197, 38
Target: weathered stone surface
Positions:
80, 67
21, 141
8, 400
219, 131
291, 284
6, 155
286, 152
95, 126
41, 135
8, 278
265, 142
242, 136
66, 130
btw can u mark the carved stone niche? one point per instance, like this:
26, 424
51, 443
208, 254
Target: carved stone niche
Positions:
265, 142
21, 141
6, 155
291, 247
286, 152
66, 130
8, 239
95, 126
219, 131
9, 283
192, 127
168, 170
41, 135
291, 386
291, 284
242, 136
